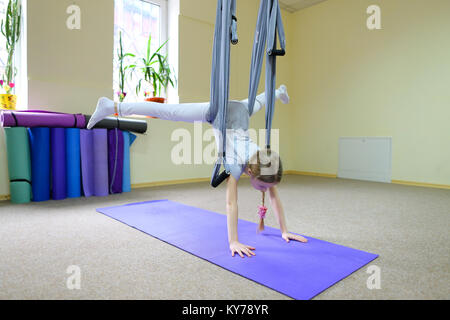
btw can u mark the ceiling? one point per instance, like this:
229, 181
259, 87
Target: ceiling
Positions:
295, 5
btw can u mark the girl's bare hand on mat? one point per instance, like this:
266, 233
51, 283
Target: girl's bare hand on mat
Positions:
289, 236
241, 249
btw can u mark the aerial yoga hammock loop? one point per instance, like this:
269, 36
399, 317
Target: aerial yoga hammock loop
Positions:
268, 26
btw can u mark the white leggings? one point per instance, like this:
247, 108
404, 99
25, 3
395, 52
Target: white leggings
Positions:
187, 112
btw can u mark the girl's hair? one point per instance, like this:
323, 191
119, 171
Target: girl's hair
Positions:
262, 209
266, 166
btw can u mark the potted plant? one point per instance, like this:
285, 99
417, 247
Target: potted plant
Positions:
157, 73
165, 75
123, 69
10, 28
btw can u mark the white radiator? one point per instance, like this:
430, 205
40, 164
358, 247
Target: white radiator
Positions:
365, 158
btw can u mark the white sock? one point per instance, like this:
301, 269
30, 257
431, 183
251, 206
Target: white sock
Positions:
282, 94
105, 107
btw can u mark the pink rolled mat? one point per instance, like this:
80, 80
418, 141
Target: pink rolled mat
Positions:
40, 118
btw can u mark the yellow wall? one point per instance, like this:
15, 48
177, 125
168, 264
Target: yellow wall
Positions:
196, 32
350, 81
69, 70
344, 80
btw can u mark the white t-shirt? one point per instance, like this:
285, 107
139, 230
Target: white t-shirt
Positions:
239, 147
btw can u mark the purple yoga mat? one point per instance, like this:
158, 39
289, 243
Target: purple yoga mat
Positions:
115, 160
87, 161
298, 270
38, 118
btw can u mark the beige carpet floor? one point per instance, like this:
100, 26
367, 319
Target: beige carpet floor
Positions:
407, 226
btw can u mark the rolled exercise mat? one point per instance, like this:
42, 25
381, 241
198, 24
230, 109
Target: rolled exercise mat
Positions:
133, 125
128, 139
41, 119
19, 164
40, 163
298, 270
100, 151
58, 166
87, 161
73, 162
115, 160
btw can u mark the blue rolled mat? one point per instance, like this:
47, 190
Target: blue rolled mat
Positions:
73, 159
58, 155
128, 139
126, 182
40, 163
132, 138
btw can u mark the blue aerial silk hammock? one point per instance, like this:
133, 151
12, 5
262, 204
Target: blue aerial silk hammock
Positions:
269, 25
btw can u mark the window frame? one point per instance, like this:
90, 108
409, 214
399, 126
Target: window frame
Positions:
20, 62
163, 29
164, 18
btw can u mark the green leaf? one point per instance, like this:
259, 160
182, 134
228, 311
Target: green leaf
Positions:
149, 45
158, 50
10, 29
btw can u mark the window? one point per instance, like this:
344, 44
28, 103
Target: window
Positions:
136, 20
21, 89
3, 54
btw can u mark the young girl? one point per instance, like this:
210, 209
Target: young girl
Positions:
242, 155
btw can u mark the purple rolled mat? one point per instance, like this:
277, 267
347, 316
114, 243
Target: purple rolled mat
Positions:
100, 152
38, 118
115, 160
58, 157
87, 161
94, 162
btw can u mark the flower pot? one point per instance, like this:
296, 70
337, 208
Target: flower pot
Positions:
156, 99
8, 101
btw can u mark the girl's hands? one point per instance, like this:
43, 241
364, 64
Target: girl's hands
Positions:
241, 249
289, 236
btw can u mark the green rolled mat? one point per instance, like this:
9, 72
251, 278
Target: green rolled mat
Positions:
19, 164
